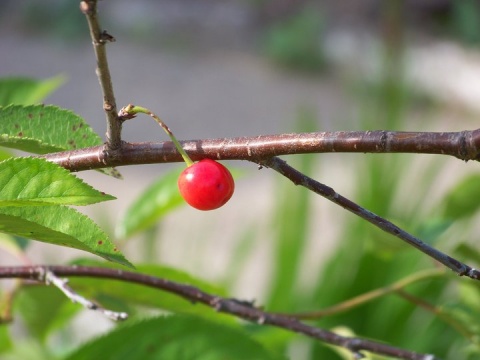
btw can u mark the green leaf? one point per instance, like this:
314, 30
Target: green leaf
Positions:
468, 253
26, 91
146, 296
5, 341
43, 129
157, 200
44, 309
34, 181
59, 225
175, 337
463, 200
29, 349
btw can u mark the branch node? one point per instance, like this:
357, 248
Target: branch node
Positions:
106, 37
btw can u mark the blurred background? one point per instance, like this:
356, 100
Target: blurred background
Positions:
233, 68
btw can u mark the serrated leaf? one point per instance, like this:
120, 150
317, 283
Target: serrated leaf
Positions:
59, 225
25, 91
35, 181
43, 129
463, 199
175, 337
157, 200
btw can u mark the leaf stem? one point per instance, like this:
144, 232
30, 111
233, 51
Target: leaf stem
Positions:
130, 111
370, 296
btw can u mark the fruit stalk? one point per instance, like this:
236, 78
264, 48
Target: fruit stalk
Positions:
130, 111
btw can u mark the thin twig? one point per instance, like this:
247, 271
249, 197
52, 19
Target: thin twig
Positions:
327, 192
464, 145
241, 309
47, 276
99, 39
369, 296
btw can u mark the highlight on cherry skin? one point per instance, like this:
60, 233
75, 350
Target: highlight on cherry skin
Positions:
206, 185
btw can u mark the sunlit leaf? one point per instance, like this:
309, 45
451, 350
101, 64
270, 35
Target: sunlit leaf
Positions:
157, 200
43, 129
59, 225
34, 181
175, 337
26, 91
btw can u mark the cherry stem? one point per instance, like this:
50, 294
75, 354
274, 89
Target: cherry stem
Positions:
130, 111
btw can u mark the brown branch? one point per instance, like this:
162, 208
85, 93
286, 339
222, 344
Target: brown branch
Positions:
238, 308
464, 145
327, 192
99, 39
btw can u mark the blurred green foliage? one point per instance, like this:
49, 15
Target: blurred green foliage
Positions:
296, 43
437, 315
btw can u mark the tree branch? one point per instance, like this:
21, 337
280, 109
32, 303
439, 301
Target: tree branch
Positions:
464, 145
99, 39
328, 193
238, 308
50, 278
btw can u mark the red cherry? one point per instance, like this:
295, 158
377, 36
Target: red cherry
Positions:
206, 185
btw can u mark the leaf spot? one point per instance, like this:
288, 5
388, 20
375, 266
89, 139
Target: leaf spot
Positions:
100, 242
20, 134
30, 116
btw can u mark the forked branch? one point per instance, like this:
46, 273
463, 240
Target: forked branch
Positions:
241, 309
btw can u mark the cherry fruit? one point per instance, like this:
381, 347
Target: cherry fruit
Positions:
206, 185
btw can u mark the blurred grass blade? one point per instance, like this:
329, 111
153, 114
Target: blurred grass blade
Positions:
5, 340
26, 91
462, 200
291, 221
157, 200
